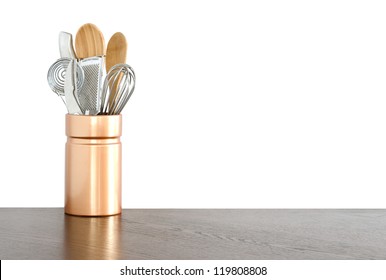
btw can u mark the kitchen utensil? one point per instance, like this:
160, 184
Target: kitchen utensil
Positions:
89, 95
116, 50
119, 83
70, 89
89, 41
90, 48
57, 73
115, 54
66, 47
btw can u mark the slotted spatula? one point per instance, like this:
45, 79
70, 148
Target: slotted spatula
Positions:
90, 49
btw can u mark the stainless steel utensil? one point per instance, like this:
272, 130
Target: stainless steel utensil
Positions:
57, 74
70, 89
118, 84
93, 68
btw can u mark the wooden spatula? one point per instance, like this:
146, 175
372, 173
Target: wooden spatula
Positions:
116, 50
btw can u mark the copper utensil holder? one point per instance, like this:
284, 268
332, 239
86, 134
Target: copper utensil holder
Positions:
93, 165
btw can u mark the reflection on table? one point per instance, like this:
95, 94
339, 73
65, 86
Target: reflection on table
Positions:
92, 237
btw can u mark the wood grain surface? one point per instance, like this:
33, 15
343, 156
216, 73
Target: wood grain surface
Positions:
116, 50
89, 41
47, 233
115, 54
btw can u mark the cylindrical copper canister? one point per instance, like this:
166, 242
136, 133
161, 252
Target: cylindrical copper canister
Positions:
93, 165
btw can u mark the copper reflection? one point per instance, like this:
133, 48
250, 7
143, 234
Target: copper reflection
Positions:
93, 165
92, 238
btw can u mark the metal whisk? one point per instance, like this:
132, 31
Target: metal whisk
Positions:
117, 88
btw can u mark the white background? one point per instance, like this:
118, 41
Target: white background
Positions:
237, 104
276, 269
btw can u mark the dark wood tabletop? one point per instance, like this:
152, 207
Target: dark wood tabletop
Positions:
47, 233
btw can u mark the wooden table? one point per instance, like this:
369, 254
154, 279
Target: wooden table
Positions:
47, 233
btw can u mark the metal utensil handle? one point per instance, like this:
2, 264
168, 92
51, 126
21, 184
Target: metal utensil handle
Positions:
70, 89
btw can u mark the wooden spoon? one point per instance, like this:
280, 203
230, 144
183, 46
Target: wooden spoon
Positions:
89, 41
90, 48
116, 50
116, 53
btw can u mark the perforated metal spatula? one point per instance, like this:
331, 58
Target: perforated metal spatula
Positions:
90, 49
